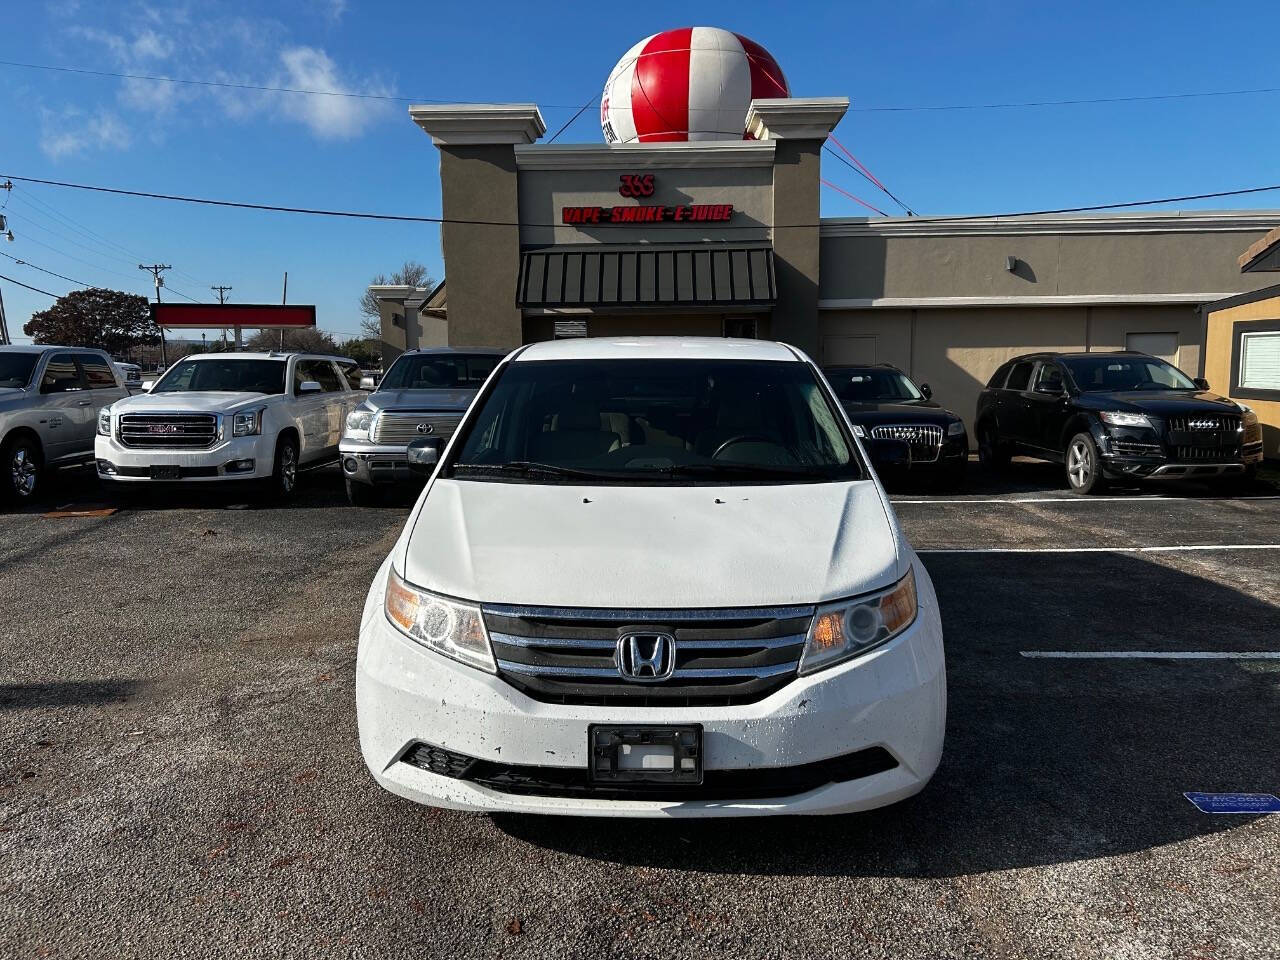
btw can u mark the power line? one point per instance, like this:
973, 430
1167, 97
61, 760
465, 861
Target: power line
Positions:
393, 98
568, 123
406, 218
1013, 105
25, 263
27, 286
222, 293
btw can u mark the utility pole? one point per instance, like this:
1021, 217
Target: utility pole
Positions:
156, 269
4, 326
222, 298
284, 298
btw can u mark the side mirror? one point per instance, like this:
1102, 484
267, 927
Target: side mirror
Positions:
1201, 383
927, 391
310, 386
1053, 389
147, 385
424, 454
366, 383
890, 453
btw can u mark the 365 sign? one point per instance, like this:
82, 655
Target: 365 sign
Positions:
639, 186
636, 185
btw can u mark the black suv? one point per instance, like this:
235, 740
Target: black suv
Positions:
1110, 415
885, 404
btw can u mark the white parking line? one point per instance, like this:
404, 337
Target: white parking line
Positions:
1175, 549
1149, 655
1021, 500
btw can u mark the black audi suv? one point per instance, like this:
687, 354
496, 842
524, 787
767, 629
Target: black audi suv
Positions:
1113, 415
885, 404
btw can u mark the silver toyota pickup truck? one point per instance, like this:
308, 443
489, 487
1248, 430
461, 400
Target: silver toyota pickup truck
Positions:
423, 394
49, 403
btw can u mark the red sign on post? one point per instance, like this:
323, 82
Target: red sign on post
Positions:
256, 315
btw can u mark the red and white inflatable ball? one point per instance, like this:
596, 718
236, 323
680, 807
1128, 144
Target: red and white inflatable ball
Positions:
695, 83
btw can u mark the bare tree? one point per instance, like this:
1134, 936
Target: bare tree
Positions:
411, 274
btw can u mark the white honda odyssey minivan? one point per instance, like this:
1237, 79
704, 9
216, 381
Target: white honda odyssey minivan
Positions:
652, 577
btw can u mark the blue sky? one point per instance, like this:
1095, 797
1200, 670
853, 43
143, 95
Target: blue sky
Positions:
366, 155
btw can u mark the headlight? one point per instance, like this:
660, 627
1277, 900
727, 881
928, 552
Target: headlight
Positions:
955, 429
446, 626
844, 630
1249, 419
1118, 418
247, 423
104, 422
358, 424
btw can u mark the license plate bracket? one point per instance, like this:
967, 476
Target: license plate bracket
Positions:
645, 753
166, 471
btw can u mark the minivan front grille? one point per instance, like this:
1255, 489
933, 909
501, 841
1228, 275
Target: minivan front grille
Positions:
925, 439
721, 657
169, 430
400, 426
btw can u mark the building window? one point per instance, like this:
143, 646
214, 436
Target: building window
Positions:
1260, 360
1255, 360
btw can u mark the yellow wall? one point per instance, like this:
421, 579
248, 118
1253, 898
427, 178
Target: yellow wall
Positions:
1217, 363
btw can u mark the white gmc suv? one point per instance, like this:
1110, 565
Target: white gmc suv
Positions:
230, 416
652, 577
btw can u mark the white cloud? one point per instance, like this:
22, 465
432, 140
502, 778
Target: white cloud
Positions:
185, 42
329, 117
70, 131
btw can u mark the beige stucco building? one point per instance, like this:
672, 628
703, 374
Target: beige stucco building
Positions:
726, 238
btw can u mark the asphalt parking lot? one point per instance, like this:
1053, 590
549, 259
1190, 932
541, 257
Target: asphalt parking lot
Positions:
180, 776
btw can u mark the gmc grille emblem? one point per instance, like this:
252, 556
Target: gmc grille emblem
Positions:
162, 428
646, 657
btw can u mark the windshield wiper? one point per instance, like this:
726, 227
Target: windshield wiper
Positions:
528, 468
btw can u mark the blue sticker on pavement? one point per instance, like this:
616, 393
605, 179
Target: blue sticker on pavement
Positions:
1235, 802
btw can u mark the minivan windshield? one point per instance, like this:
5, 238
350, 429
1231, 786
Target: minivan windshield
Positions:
436, 371
16, 368
1118, 374
225, 374
656, 421
872, 385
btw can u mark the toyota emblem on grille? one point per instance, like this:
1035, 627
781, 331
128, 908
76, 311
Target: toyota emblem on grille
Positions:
1202, 424
424, 428
646, 657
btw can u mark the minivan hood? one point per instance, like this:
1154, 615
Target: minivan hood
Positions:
650, 546
452, 399
1161, 403
197, 401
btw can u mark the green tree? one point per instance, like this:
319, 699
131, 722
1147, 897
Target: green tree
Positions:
367, 353
411, 274
111, 320
304, 340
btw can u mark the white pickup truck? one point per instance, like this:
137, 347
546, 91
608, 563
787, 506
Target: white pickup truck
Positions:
231, 416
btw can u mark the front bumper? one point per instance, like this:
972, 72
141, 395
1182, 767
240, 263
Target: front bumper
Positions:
221, 462
893, 700
371, 463
1127, 453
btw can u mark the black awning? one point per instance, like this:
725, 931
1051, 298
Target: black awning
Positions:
693, 276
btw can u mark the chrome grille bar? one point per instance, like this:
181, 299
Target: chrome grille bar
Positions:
925, 439
191, 431
401, 426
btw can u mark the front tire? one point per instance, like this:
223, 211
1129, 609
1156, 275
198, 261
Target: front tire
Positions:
284, 474
23, 464
1084, 465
